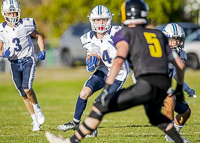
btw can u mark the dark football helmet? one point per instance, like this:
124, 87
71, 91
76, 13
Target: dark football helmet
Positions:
134, 12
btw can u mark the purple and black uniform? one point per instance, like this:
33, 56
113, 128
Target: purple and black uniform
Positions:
147, 53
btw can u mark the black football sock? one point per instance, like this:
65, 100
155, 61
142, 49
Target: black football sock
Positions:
74, 139
174, 135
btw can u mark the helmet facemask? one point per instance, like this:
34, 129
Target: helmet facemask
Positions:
101, 28
13, 20
174, 43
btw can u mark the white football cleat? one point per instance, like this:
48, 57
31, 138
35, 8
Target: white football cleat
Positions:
68, 126
169, 139
185, 140
36, 126
54, 139
39, 114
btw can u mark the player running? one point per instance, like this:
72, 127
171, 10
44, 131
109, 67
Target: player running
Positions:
99, 41
17, 47
176, 38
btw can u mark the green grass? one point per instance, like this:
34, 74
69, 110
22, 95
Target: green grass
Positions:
57, 91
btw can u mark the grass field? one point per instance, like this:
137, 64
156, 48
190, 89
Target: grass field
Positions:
57, 91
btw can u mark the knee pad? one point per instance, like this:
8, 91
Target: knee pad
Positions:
96, 115
102, 109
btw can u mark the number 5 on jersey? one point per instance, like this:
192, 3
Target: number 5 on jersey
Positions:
154, 44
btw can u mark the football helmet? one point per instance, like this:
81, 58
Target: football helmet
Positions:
9, 6
134, 12
174, 31
100, 12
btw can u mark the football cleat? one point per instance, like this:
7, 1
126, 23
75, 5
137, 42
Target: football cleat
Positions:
39, 114
36, 126
185, 140
54, 139
169, 139
92, 134
68, 126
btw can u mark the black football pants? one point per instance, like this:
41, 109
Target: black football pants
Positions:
142, 93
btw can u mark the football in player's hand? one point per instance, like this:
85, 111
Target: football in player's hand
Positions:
92, 55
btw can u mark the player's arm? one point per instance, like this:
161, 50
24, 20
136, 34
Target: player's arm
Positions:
1, 47
6, 53
122, 51
187, 89
180, 69
178, 63
39, 38
40, 41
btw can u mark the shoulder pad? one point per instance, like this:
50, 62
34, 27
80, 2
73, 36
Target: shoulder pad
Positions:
115, 29
28, 21
86, 38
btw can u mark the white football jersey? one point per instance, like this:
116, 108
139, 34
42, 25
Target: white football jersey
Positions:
18, 38
106, 49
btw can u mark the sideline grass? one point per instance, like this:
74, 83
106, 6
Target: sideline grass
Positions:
57, 91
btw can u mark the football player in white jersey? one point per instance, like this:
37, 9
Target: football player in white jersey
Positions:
176, 36
17, 47
99, 41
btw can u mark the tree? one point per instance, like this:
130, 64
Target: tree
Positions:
54, 16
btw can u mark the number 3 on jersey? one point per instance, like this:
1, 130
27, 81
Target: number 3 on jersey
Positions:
16, 41
154, 44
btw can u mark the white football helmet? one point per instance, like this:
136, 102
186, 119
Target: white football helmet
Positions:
100, 12
174, 31
9, 6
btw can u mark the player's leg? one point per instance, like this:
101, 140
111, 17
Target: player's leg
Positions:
119, 101
29, 107
94, 83
168, 109
181, 118
29, 67
17, 80
183, 115
153, 111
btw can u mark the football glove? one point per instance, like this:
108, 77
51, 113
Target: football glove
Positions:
41, 55
91, 63
191, 93
179, 93
6, 53
102, 96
